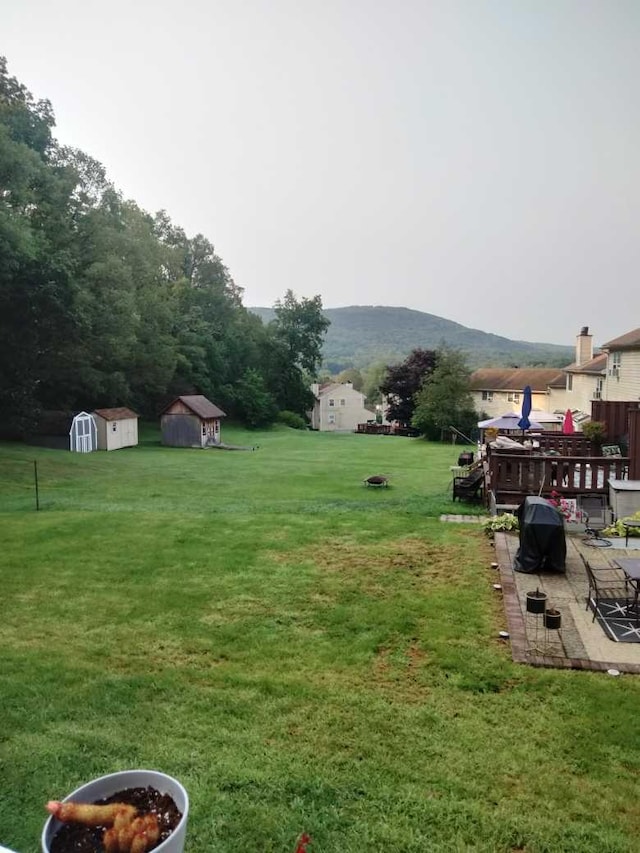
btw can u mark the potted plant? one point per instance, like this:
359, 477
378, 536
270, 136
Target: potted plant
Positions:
595, 431
130, 786
552, 619
536, 601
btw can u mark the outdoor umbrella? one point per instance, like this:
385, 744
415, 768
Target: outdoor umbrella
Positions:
508, 421
524, 422
567, 425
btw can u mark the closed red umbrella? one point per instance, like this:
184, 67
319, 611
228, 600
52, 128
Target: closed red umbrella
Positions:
568, 427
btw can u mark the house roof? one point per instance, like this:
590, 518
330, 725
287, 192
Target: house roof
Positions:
119, 414
514, 378
597, 364
629, 341
200, 406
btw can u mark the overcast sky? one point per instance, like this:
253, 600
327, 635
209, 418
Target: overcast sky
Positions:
474, 159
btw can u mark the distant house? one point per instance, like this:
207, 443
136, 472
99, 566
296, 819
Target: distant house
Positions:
498, 390
191, 421
622, 379
583, 380
338, 407
116, 428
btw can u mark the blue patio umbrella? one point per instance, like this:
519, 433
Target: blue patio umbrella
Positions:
524, 422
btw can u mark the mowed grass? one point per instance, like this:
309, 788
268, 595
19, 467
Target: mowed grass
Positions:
305, 654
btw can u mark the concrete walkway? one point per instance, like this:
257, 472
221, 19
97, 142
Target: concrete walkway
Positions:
581, 643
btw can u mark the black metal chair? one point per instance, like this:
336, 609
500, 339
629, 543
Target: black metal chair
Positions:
607, 583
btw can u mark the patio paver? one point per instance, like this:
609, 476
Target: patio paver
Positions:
581, 644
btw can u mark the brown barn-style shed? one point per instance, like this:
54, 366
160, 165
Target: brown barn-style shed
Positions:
191, 421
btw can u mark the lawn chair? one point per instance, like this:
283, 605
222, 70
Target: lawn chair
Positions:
470, 487
606, 583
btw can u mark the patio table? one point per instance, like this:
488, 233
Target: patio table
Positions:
631, 567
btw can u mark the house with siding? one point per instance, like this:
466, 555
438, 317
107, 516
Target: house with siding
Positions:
622, 376
338, 407
498, 390
582, 381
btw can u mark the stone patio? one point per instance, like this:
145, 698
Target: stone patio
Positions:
581, 643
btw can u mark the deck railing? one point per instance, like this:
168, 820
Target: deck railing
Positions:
576, 444
515, 475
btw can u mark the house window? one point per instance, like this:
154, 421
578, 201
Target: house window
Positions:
488, 396
616, 361
597, 394
343, 402
331, 403
569, 382
332, 419
513, 397
114, 426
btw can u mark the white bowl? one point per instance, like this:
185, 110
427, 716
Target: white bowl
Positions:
105, 786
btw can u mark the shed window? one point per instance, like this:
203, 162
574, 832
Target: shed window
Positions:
332, 419
343, 402
514, 397
331, 402
487, 395
114, 426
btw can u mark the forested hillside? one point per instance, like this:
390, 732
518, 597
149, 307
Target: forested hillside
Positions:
363, 334
104, 304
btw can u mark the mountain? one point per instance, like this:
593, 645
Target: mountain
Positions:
364, 334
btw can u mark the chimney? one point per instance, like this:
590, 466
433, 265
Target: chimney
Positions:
584, 346
315, 389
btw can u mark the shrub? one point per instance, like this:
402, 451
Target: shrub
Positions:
618, 529
506, 521
595, 431
291, 419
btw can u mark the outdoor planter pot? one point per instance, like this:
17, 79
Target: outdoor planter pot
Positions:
552, 620
106, 786
536, 601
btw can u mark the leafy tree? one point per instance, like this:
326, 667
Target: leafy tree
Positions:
293, 353
254, 404
301, 326
403, 381
444, 399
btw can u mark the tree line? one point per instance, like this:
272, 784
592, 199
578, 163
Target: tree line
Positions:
104, 304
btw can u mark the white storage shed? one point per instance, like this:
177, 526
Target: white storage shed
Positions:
116, 428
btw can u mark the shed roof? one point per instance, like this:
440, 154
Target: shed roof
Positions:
629, 341
200, 406
513, 378
119, 414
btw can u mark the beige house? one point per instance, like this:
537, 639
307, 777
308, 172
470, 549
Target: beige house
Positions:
116, 428
338, 407
583, 380
498, 390
622, 379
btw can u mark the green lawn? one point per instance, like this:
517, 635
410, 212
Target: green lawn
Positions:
305, 654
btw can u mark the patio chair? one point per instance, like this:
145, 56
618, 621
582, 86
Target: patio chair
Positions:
606, 583
469, 488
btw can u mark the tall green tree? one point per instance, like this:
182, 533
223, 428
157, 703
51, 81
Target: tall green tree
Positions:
403, 381
294, 353
444, 399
